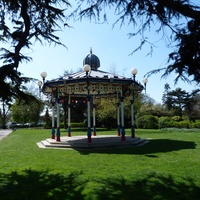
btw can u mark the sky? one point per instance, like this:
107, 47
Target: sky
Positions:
112, 46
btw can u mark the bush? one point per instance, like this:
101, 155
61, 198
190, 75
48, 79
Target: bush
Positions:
196, 124
182, 124
47, 126
147, 122
177, 118
165, 122
108, 122
78, 125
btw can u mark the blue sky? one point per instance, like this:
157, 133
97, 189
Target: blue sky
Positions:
112, 46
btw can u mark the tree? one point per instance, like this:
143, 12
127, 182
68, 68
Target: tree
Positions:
27, 112
21, 24
5, 104
47, 119
192, 105
186, 57
167, 14
166, 98
106, 112
181, 102
4, 111
24, 22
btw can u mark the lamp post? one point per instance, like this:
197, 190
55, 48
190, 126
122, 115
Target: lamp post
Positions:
43, 75
40, 85
145, 80
87, 68
58, 117
122, 116
133, 72
53, 116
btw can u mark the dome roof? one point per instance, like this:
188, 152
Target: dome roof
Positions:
92, 60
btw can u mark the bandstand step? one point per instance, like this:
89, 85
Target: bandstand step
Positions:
80, 142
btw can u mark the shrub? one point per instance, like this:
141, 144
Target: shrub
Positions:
147, 122
78, 125
108, 122
182, 124
176, 118
165, 122
195, 124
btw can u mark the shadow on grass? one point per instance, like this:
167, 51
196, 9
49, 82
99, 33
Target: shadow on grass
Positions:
150, 187
153, 146
40, 186
34, 185
164, 145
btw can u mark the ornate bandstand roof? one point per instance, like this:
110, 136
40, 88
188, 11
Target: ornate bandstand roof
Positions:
99, 82
92, 60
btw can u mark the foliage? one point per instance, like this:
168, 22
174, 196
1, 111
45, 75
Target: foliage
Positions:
23, 112
147, 122
47, 119
107, 113
176, 118
75, 125
186, 56
176, 122
182, 124
153, 109
23, 23
195, 124
164, 14
165, 122
4, 112
179, 102
78, 110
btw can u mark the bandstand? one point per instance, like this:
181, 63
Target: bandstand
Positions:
90, 84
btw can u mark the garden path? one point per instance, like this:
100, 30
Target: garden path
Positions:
4, 133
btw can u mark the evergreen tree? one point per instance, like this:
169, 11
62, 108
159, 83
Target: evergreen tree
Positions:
21, 24
144, 15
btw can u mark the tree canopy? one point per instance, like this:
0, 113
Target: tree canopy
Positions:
182, 17
24, 22
21, 24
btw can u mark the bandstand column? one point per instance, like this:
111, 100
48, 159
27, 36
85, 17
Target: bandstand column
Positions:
69, 115
89, 120
132, 116
118, 119
53, 118
94, 116
122, 117
87, 68
133, 72
58, 119
118, 116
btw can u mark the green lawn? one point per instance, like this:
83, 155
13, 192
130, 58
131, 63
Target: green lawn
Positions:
165, 168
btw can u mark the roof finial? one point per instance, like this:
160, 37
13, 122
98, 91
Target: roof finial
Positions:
90, 50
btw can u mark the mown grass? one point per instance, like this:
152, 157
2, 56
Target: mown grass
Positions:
165, 168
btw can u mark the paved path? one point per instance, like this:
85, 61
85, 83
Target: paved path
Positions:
4, 133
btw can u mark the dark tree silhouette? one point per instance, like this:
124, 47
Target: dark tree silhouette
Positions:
21, 24
144, 15
24, 22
